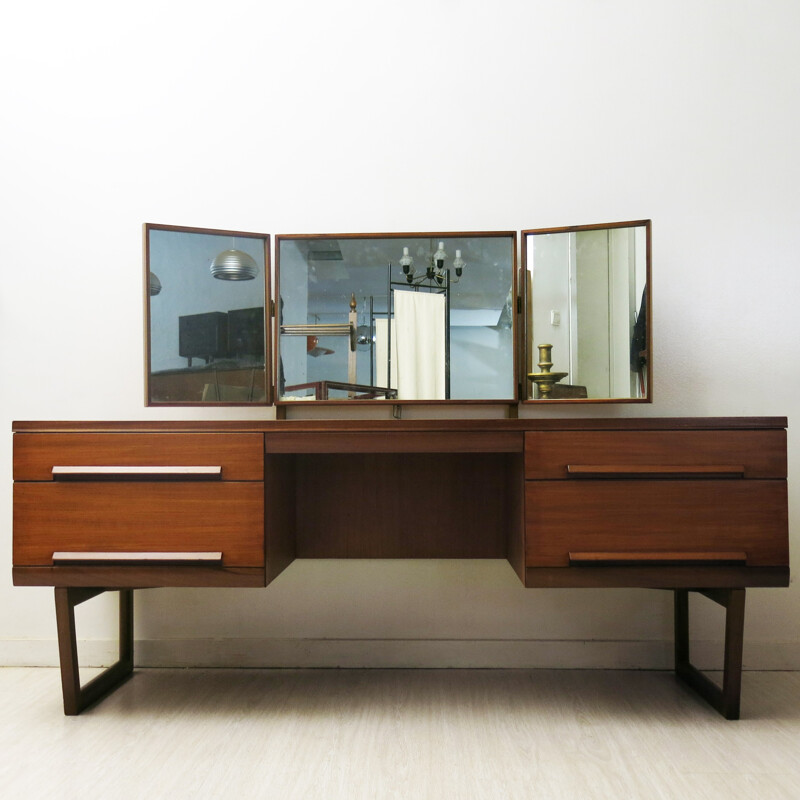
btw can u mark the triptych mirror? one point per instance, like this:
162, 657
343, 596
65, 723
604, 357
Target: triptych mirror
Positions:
398, 318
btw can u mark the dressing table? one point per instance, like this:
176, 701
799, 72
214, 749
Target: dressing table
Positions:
682, 504
363, 320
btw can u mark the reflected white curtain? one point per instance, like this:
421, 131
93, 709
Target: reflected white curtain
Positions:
418, 346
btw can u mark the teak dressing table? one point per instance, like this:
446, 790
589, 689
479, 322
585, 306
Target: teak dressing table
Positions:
684, 504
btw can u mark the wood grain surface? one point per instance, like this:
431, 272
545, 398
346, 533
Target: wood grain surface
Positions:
52, 516
444, 505
762, 453
656, 516
240, 455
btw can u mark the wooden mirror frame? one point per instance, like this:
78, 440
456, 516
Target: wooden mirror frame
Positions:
521, 328
513, 400
528, 348
265, 281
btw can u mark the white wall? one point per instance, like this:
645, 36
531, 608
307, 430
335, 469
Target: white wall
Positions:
362, 116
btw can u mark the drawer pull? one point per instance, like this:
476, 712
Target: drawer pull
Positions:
654, 471
604, 559
152, 559
137, 473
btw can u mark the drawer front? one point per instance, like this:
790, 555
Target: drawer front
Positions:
241, 455
735, 453
657, 517
140, 517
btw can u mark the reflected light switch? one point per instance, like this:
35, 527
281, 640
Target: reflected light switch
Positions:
555, 317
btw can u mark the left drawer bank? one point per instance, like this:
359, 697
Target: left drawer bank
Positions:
139, 509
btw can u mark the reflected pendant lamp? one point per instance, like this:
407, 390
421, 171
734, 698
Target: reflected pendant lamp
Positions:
155, 285
234, 265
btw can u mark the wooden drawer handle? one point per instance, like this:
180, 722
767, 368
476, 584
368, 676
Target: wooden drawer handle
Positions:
654, 471
604, 559
152, 559
137, 473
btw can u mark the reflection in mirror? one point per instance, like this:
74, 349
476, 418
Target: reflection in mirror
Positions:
205, 315
396, 317
588, 303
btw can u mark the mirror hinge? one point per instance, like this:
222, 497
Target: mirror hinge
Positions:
272, 308
519, 304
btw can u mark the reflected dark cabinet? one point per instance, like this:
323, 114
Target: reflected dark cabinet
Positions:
203, 336
237, 334
245, 330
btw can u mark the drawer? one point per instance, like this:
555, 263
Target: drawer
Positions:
139, 517
656, 517
240, 455
721, 453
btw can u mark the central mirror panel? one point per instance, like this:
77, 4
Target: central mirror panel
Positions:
396, 317
588, 305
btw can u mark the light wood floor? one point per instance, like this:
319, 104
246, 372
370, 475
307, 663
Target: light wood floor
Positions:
440, 734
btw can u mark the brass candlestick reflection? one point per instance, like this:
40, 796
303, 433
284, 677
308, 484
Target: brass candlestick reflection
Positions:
545, 379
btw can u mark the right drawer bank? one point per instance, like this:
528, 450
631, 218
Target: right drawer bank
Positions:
656, 497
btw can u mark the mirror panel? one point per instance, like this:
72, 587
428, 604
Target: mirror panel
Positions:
205, 295
587, 311
397, 317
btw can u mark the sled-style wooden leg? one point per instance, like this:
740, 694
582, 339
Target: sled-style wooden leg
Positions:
77, 697
725, 699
